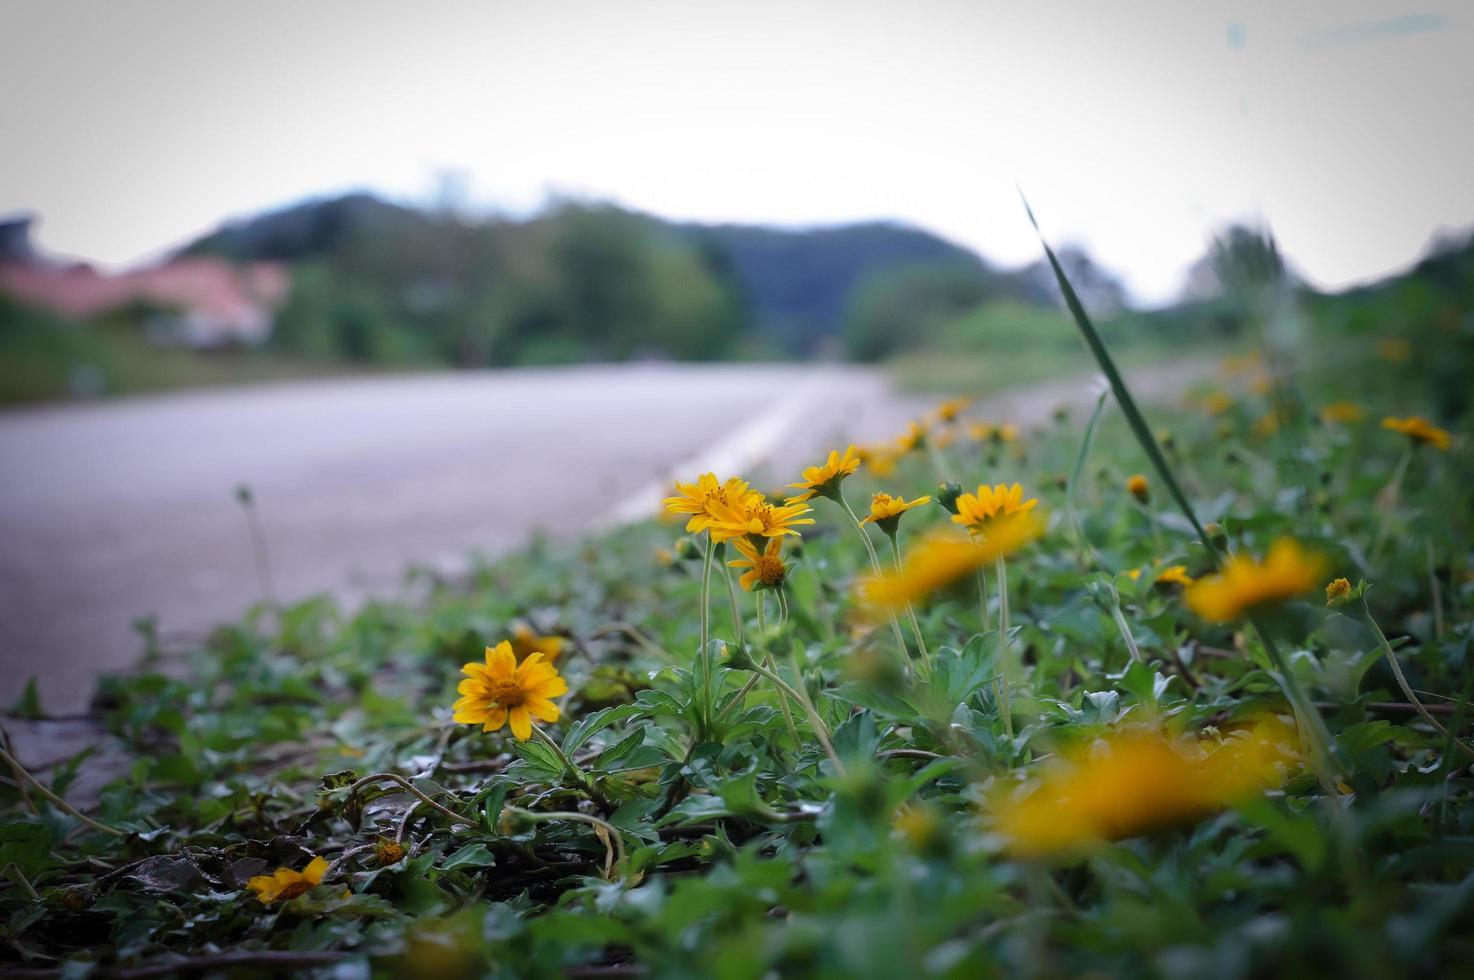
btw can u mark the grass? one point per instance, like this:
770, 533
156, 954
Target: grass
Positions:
683, 818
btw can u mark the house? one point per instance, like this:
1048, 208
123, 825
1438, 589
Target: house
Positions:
196, 301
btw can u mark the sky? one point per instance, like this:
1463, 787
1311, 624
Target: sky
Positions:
1135, 129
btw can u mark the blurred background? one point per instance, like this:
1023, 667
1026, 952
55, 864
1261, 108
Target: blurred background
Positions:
491, 254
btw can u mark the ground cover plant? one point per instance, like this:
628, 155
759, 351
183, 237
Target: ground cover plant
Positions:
1172, 693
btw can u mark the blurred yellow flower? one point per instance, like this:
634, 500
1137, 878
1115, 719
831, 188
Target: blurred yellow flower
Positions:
1420, 431
1138, 487
1394, 350
285, 884
1217, 402
941, 559
525, 642
1340, 413
1337, 590
949, 410
976, 511
913, 438
698, 499
1174, 575
764, 568
1245, 584
502, 691
755, 516
1268, 423
885, 510
1132, 782
825, 480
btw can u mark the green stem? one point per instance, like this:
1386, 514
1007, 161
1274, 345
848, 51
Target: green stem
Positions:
874, 565
910, 609
736, 610
581, 777
1312, 727
982, 598
817, 723
1390, 495
1004, 664
1436, 592
1407, 691
706, 593
613, 843
25, 774
762, 628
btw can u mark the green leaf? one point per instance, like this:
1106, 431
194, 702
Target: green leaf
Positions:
582, 730
471, 856
28, 845
28, 705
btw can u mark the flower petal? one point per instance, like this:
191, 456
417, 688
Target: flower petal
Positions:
544, 709
521, 721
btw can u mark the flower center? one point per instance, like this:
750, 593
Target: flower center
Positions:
770, 571
507, 693
296, 888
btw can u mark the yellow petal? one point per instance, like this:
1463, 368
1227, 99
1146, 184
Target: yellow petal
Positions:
493, 719
315, 870
521, 721
546, 710
501, 662
550, 688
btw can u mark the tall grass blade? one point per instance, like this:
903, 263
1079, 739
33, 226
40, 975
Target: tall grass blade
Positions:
1118, 386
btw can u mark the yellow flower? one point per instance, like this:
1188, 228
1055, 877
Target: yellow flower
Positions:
1174, 575
975, 511
880, 459
913, 438
885, 510
1217, 402
502, 690
1337, 591
1420, 431
755, 516
1245, 584
951, 408
825, 480
764, 568
1139, 488
698, 499
1340, 413
1268, 424
286, 884
525, 643
940, 559
1134, 574
1132, 782
387, 852
1394, 350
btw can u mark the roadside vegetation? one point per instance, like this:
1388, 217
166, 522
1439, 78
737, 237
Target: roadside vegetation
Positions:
1177, 693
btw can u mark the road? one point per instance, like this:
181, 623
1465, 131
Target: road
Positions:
111, 511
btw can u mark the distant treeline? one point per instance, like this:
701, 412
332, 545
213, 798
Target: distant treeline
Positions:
376, 282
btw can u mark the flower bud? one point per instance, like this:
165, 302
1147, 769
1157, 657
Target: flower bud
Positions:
1139, 487
947, 494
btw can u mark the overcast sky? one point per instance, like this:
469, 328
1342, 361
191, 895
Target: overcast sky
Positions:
1135, 128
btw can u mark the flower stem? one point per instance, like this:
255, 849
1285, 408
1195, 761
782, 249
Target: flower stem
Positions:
1313, 731
706, 593
762, 628
982, 598
736, 610
910, 609
820, 730
25, 774
613, 843
1407, 691
1004, 666
410, 788
875, 566
578, 774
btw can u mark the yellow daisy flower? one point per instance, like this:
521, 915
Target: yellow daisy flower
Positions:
1138, 487
825, 480
1337, 591
525, 642
885, 510
1341, 413
940, 559
1420, 431
975, 511
950, 409
1129, 783
698, 499
756, 517
914, 438
765, 569
880, 459
285, 884
502, 691
1175, 575
1217, 402
1246, 584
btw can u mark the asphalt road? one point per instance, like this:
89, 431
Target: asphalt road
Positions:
115, 510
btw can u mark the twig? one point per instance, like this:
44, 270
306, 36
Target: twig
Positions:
405, 785
45, 791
